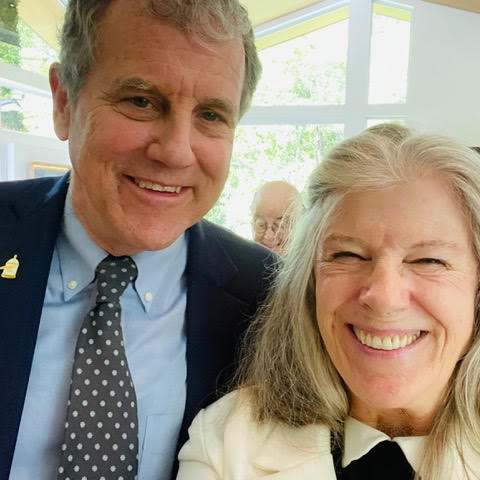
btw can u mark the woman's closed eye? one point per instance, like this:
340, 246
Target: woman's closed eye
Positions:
429, 261
347, 255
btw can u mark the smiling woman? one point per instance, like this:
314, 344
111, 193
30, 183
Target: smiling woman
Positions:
371, 332
395, 283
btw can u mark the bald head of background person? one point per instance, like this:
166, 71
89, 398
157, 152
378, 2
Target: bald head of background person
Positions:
273, 205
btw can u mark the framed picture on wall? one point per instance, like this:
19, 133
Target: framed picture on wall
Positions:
39, 169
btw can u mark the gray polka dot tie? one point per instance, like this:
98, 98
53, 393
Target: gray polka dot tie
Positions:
101, 432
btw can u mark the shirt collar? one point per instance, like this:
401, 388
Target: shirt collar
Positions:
361, 438
79, 256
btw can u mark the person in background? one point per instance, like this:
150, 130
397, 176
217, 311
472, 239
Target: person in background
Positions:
365, 359
121, 308
274, 206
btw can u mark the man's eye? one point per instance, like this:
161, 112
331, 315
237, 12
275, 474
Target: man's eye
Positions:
140, 102
337, 255
210, 116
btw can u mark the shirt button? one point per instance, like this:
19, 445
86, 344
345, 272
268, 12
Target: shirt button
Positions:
72, 284
148, 297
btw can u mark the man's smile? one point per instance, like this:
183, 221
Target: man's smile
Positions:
157, 186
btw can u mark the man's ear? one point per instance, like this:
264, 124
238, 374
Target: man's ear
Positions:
61, 104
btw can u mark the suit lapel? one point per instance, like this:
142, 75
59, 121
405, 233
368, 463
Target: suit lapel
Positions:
211, 318
31, 236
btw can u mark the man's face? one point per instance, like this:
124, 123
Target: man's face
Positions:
268, 229
151, 132
271, 212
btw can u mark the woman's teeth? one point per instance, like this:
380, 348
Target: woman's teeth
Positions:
392, 342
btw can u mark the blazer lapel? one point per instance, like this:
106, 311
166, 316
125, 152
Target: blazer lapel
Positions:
30, 233
297, 453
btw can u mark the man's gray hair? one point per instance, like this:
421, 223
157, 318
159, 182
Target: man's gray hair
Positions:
207, 20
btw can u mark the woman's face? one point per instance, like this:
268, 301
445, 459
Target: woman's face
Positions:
396, 279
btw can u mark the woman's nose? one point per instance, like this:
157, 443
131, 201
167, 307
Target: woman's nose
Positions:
385, 290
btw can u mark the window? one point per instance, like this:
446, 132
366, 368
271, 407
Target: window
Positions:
25, 60
23, 111
25, 49
303, 72
340, 68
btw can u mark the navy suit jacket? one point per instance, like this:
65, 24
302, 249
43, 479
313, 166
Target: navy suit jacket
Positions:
226, 276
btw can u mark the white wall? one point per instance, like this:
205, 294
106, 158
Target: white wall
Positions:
444, 72
18, 150
25, 149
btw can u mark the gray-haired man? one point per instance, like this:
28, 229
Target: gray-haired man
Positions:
148, 94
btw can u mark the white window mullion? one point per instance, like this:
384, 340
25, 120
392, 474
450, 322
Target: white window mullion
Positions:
294, 115
358, 61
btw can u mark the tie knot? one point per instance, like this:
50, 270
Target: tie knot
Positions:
113, 276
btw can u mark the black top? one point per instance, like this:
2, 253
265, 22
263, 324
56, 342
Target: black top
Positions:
385, 461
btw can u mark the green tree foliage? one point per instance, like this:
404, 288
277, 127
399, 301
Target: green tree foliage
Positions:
269, 152
8, 21
21, 47
9, 53
37, 56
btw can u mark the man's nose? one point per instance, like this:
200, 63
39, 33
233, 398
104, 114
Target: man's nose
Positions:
172, 142
385, 290
268, 238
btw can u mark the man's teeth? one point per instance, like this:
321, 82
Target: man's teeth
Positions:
385, 343
157, 187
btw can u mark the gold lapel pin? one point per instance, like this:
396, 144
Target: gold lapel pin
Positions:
10, 268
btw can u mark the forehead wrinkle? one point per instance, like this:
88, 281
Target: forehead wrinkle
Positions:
437, 243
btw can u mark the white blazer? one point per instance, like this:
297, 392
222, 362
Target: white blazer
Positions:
226, 444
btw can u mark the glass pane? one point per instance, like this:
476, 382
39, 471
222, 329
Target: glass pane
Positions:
265, 153
24, 112
389, 55
24, 49
307, 70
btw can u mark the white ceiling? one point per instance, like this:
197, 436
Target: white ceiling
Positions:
45, 16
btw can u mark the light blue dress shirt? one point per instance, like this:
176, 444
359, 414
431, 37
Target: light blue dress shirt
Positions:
153, 317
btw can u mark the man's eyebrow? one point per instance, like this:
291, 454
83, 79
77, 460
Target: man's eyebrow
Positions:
135, 83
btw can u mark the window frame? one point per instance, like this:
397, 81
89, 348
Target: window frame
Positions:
356, 111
